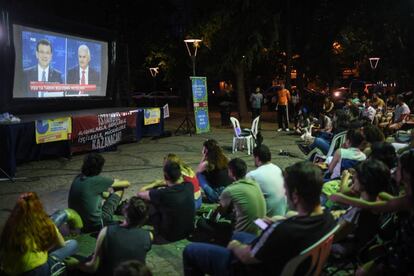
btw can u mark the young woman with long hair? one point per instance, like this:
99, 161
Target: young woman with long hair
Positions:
28, 235
212, 171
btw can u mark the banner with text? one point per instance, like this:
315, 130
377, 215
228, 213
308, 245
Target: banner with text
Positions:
53, 130
200, 101
152, 116
95, 132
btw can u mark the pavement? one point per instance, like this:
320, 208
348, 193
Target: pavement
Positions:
141, 163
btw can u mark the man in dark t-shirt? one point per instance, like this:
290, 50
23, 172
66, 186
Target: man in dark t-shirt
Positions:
279, 242
172, 208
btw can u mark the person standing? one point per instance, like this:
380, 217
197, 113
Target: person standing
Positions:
256, 100
283, 99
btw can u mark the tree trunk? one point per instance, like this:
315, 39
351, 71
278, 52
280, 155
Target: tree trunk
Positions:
241, 92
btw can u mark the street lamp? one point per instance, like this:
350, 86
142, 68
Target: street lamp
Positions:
373, 62
192, 45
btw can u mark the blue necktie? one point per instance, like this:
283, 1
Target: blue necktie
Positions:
44, 76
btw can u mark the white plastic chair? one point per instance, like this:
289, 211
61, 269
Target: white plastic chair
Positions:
318, 252
253, 130
240, 138
337, 142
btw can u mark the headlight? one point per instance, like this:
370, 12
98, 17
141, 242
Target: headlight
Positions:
337, 94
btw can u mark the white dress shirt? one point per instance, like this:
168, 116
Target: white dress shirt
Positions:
40, 73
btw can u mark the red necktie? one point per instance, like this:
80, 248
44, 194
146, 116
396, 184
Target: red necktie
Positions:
83, 77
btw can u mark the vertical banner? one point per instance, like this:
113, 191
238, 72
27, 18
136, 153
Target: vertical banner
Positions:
200, 101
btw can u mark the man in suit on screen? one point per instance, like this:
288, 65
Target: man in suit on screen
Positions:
42, 72
82, 73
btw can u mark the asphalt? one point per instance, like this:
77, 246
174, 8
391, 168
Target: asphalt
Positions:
141, 163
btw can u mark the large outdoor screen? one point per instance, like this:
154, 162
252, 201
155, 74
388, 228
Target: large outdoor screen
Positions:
55, 65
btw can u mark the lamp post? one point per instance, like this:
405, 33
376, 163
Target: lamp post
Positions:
192, 44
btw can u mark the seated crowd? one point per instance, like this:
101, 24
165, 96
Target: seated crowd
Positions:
256, 221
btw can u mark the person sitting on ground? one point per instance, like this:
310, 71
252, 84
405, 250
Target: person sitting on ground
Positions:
358, 226
397, 256
188, 175
270, 179
132, 268
121, 242
85, 195
28, 236
172, 209
350, 151
279, 242
243, 198
212, 171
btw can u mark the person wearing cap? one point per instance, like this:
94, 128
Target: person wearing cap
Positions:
256, 100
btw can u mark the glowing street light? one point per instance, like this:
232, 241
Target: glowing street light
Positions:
192, 45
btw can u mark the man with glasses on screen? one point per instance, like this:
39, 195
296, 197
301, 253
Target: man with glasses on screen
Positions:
82, 73
42, 72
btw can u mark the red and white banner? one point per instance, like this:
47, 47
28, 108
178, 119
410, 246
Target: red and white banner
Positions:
95, 132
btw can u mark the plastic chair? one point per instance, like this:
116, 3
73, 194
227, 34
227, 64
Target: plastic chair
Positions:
253, 130
239, 137
336, 142
318, 252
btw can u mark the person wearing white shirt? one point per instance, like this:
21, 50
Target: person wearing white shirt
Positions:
270, 179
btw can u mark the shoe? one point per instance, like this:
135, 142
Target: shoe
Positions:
279, 130
287, 130
304, 149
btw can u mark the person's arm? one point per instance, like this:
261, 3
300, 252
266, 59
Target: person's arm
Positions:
152, 185
145, 195
385, 196
345, 228
242, 252
331, 106
92, 265
393, 205
336, 158
225, 201
120, 184
344, 185
202, 166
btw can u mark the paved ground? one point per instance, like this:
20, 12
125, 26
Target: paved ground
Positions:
140, 163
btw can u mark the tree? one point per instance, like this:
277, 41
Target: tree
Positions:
235, 33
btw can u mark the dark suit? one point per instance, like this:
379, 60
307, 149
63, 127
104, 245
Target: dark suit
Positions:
74, 77
31, 74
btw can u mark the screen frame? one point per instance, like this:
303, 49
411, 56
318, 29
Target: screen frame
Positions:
63, 27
